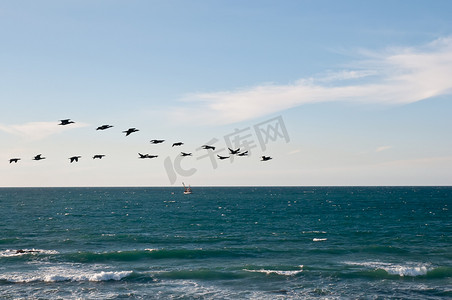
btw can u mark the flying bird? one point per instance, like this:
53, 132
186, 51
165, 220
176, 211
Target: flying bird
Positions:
74, 158
66, 122
265, 158
177, 144
103, 127
208, 147
130, 130
236, 151
245, 153
147, 156
38, 157
185, 154
99, 156
222, 157
14, 160
157, 141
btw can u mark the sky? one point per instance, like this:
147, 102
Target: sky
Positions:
336, 92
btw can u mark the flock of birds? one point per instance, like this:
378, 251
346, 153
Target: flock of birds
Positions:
142, 156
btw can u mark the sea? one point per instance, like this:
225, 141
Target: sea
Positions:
226, 243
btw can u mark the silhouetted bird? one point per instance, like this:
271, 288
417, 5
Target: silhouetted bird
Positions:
14, 160
130, 130
103, 127
245, 153
147, 156
208, 147
38, 157
234, 151
185, 154
74, 158
265, 158
66, 122
99, 156
143, 155
222, 157
177, 144
157, 141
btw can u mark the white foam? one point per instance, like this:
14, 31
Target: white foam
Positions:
277, 272
20, 252
57, 274
318, 240
410, 269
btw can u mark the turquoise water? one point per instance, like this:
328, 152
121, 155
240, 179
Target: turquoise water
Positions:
226, 243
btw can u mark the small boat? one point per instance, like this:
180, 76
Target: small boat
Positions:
187, 190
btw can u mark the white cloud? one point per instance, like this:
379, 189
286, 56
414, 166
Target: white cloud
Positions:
393, 76
382, 148
38, 130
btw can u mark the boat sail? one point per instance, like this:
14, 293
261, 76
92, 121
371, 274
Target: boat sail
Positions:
187, 190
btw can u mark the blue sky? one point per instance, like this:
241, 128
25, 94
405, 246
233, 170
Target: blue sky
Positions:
362, 88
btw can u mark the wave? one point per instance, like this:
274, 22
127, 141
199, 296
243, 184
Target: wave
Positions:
318, 239
149, 253
21, 252
277, 272
65, 275
381, 269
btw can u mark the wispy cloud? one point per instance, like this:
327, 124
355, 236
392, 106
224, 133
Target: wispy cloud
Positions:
392, 76
383, 148
38, 130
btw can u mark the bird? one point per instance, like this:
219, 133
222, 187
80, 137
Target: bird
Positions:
74, 158
143, 155
99, 156
245, 153
177, 144
208, 147
236, 151
157, 141
130, 130
66, 122
222, 157
14, 160
147, 156
103, 127
185, 154
38, 157
265, 158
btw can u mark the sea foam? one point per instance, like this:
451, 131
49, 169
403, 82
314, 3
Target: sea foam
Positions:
278, 272
410, 269
58, 275
20, 252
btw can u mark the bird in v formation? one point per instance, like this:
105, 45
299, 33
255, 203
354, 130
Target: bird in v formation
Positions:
66, 122
155, 141
74, 158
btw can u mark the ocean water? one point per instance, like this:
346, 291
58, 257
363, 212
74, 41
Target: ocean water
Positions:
226, 243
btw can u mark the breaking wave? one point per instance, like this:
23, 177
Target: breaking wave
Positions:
377, 269
277, 272
65, 275
21, 252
